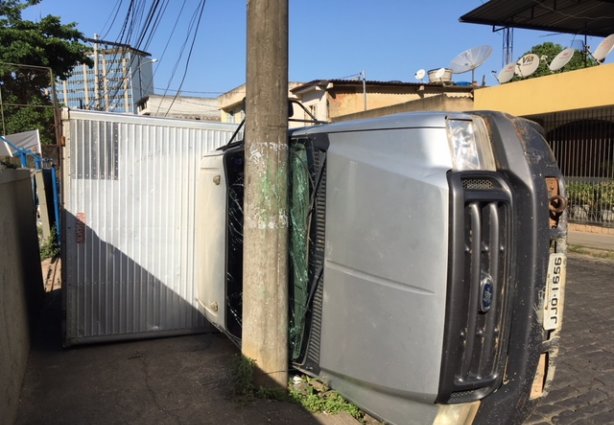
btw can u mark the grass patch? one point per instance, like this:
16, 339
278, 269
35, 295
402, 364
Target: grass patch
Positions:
309, 393
50, 248
593, 252
243, 383
316, 397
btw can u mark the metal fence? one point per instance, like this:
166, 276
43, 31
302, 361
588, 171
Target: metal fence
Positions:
583, 143
129, 192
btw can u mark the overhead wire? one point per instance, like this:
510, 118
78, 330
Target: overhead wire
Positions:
168, 40
111, 19
193, 27
148, 25
120, 39
141, 21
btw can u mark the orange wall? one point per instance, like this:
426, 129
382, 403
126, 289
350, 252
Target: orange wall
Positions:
583, 88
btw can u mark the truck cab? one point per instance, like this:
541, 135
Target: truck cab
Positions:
427, 256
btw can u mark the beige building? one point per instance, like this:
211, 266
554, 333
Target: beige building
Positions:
183, 107
335, 100
232, 105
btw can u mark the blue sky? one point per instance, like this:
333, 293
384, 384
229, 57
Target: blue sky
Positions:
388, 39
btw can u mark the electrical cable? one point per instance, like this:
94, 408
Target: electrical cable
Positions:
116, 8
187, 63
147, 27
193, 26
142, 20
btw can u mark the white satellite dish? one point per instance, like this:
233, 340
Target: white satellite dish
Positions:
420, 74
604, 48
527, 65
470, 59
562, 59
438, 75
506, 73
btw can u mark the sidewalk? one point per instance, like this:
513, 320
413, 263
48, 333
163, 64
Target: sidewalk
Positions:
183, 380
591, 240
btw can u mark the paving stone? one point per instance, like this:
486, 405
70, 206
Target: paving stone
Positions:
586, 399
582, 391
600, 419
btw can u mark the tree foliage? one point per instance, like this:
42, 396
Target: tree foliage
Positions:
42, 50
547, 52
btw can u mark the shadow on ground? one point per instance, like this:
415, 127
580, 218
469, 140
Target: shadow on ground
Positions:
180, 380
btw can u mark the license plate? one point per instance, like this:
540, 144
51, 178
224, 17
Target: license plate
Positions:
555, 282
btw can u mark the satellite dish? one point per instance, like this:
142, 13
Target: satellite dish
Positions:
562, 59
420, 74
438, 75
527, 65
604, 48
470, 59
506, 73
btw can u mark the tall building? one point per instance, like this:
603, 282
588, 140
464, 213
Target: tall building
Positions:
120, 76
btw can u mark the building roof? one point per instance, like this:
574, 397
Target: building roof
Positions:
382, 85
585, 17
116, 44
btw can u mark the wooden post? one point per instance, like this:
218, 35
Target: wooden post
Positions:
265, 275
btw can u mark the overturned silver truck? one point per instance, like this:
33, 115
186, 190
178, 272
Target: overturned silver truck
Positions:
427, 260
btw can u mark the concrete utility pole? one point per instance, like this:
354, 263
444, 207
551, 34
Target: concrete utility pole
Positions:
265, 274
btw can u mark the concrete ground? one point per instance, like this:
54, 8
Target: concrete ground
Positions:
591, 240
182, 380
187, 380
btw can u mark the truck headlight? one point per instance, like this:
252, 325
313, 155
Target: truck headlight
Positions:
470, 145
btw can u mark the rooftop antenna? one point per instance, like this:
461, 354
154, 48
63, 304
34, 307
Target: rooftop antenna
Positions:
581, 46
527, 65
562, 59
470, 59
420, 74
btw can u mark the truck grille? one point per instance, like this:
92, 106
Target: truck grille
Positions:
478, 287
309, 360
316, 266
485, 223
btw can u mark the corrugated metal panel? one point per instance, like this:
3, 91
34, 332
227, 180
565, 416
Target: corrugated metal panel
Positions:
129, 197
590, 17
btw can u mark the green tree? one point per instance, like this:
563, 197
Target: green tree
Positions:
56, 47
547, 51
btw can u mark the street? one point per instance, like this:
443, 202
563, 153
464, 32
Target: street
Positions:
583, 387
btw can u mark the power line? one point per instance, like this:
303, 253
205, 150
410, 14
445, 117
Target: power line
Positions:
187, 62
196, 91
143, 26
141, 21
116, 8
195, 20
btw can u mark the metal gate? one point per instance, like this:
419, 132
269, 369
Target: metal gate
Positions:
129, 188
583, 143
